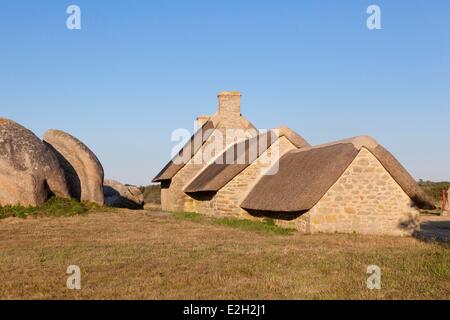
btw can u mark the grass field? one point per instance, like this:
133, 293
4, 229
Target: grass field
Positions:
142, 255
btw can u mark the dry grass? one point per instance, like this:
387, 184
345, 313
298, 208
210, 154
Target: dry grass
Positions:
126, 255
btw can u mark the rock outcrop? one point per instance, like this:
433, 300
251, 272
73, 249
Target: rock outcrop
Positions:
83, 171
122, 196
29, 172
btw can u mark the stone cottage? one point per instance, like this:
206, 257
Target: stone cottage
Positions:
352, 185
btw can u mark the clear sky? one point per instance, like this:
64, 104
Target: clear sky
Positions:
137, 70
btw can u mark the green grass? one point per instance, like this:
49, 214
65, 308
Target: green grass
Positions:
190, 216
54, 207
437, 263
264, 226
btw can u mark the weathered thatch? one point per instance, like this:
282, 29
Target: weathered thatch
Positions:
305, 175
403, 178
187, 152
238, 157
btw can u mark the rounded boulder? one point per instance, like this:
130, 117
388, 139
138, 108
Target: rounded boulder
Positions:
29, 171
123, 196
83, 170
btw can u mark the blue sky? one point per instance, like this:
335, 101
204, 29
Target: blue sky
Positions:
137, 70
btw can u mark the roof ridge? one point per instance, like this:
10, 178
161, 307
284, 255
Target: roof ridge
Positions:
292, 136
358, 142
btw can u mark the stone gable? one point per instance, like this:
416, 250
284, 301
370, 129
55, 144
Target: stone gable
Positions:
367, 200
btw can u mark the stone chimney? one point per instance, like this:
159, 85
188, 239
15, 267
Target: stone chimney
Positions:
229, 104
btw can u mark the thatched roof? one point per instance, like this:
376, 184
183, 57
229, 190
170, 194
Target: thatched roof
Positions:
194, 144
238, 157
187, 152
305, 175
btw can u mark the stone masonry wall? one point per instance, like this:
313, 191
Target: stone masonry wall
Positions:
173, 199
301, 221
366, 200
226, 202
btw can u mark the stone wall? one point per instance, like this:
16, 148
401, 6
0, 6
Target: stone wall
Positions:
226, 202
173, 199
367, 200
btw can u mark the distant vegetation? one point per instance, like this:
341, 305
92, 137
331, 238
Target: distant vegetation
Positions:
434, 189
55, 207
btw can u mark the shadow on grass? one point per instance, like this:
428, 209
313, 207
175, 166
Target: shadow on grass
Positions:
435, 231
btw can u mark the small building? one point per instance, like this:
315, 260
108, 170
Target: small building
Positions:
352, 185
